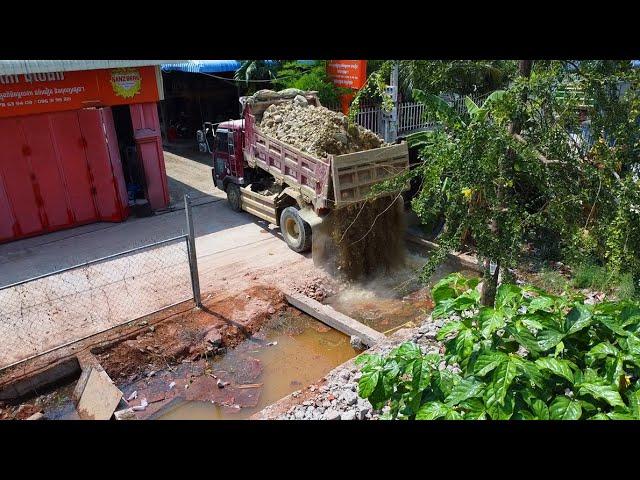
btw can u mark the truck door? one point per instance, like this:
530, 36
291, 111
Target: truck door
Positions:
221, 157
233, 164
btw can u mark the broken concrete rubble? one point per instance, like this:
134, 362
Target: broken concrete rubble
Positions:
99, 398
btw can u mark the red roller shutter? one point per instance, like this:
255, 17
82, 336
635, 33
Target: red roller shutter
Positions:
58, 170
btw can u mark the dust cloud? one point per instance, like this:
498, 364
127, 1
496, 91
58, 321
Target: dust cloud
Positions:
362, 240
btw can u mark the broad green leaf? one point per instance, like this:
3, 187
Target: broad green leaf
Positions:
602, 392
443, 308
503, 377
367, 384
453, 415
620, 416
443, 292
524, 338
463, 390
448, 328
474, 408
506, 294
578, 318
487, 361
446, 381
490, 320
369, 359
494, 97
599, 416
633, 344
421, 374
408, 351
549, 338
563, 408
472, 108
559, 349
556, 366
634, 403
613, 324
463, 346
524, 415
530, 321
603, 350
432, 411
496, 410
466, 301
540, 409
540, 303
531, 371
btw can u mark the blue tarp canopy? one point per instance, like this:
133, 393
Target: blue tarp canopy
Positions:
202, 66
211, 66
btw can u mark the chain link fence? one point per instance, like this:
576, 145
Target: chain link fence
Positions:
51, 311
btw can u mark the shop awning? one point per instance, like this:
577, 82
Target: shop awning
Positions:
202, 66
211, 66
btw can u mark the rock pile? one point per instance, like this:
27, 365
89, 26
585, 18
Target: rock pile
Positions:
316, 130
316, 287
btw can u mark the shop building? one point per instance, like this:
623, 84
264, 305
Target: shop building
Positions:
80, 142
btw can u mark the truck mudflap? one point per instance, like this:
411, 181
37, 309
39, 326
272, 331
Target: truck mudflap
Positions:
355, 173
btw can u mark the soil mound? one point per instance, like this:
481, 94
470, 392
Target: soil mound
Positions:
316, 130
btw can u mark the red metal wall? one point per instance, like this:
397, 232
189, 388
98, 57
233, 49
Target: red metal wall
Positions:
59, 170
146, 131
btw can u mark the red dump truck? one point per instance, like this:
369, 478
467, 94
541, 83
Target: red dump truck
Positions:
285, 186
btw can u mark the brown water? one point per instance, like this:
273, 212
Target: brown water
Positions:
306, 350
390, 301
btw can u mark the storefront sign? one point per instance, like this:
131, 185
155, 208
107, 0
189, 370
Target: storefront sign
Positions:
348, 73
31, 93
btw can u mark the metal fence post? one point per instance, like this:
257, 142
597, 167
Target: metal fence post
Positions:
191, 246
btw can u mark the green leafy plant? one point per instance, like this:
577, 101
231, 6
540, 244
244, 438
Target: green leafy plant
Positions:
532, 356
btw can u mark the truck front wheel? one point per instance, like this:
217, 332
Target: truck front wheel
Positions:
296, 232
233, 197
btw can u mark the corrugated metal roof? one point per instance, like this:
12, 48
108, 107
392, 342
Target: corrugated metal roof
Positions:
203, 66
15, 67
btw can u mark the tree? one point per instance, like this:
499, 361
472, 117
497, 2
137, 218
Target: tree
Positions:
511, 167
256, 70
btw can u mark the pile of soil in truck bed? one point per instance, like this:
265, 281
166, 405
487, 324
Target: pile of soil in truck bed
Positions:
316, 130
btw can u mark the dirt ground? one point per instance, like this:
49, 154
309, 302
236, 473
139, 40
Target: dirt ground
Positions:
221, 323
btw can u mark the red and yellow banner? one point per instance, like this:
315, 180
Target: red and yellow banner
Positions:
348, 73
31, 93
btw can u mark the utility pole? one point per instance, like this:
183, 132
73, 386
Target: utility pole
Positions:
391, 118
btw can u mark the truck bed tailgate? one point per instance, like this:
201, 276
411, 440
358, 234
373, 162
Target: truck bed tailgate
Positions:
355, 173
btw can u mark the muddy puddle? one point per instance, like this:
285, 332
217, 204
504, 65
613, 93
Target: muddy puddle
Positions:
389, 302
289, 353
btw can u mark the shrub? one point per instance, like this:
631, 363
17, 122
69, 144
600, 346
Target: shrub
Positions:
533, 356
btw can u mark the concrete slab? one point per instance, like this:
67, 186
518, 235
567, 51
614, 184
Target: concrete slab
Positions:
100, 397
341, 322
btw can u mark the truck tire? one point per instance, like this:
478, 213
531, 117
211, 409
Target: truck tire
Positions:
233, 197
296, 232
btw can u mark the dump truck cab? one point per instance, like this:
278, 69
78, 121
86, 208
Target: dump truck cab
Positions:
227, 154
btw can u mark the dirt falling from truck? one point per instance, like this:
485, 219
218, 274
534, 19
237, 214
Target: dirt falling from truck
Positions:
363, 239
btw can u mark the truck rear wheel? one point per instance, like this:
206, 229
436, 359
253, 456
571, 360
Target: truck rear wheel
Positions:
233, 197
296, 232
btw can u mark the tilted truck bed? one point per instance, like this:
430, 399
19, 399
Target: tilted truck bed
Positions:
350, 176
